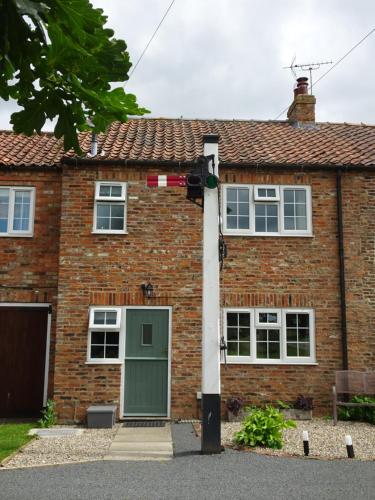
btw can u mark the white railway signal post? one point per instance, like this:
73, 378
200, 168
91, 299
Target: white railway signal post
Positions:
203, 183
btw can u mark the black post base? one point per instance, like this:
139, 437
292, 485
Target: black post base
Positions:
211, 424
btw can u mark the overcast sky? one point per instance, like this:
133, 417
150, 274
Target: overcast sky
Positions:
225, 58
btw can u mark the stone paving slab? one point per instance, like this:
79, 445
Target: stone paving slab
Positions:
141, 443
55, 433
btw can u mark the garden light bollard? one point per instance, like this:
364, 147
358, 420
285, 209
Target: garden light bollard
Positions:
306, 448
349, 446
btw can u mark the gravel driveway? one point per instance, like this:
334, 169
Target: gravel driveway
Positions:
326, 441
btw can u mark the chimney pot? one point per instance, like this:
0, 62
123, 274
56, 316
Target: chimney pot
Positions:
302, 109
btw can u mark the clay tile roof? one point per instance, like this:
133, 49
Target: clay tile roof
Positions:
255, 142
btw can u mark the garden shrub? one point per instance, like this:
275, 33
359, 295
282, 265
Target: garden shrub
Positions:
356, 412
262, 427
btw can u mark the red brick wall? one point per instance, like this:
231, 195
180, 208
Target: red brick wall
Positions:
29, 266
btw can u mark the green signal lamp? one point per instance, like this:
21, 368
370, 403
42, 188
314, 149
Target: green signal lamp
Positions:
211, 181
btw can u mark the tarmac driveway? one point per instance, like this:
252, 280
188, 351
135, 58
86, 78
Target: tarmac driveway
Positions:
234, 475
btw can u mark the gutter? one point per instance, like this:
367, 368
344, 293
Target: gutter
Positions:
340, 231
310, 167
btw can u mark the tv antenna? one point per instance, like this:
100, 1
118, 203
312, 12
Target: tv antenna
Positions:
306, 67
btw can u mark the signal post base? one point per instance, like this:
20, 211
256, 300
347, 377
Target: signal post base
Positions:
211, 424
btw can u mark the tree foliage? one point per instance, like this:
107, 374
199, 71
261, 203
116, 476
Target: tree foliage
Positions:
57, 60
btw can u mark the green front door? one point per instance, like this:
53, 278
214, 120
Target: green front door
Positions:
146, 362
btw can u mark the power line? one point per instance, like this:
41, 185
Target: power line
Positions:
334, 66
152, 37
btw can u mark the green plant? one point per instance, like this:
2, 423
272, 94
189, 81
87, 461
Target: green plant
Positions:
358, 413
49, 417
263, 428
283, 405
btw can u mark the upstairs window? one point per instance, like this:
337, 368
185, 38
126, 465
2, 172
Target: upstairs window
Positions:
110, 207
267, 210
16, 211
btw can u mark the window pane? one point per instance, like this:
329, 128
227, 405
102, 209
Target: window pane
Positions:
243, 195
231, 222
232, 319
97, 337
303, 320
232, 209
289, 196
262, 192
104, 190
289, 223
303, 335
231, 194
304, 349
232, 348
262, 317
243, 223
112, 338
301, 223
271, 192
147, 334
97, 351
243, 209
116, 191
274, 335
110, 317
111, 351
272, 317
232, 334
300, 210
274, 350
289, 210
260, 210
262, 350
99, 318
117, 211
3, 225
102, 223
272, 225
244, 349
117, 224
103, 210
244, 333
244, 319
300, 195
291, 320
291, 349
260, 225
291, 334
272, 210
261, 335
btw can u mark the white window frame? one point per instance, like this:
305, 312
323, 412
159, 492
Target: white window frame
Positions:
118, 327
281, 325
17, 232
108, 200
254, 199
257, 197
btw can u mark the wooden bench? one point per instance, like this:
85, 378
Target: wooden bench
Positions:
352, 383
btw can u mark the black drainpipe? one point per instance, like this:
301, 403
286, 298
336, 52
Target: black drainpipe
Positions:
344, 334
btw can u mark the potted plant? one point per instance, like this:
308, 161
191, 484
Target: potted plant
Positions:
301, 410
234, 405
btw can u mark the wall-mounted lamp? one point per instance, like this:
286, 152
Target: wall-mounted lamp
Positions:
148, 290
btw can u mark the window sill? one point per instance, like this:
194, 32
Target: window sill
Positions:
105, 362
271, 363
16, 235
269, 235
109, 232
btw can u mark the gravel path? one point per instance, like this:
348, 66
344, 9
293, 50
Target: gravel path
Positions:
326, 441
93, 444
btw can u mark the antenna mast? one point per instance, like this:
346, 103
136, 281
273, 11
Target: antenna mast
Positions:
307, 67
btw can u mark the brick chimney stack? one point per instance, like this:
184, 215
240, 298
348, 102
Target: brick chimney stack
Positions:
302, 109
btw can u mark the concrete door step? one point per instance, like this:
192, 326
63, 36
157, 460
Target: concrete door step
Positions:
141, 447
138, 456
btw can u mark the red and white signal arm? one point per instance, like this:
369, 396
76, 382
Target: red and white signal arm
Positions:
166, 180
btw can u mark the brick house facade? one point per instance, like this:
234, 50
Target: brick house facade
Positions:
281, 284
